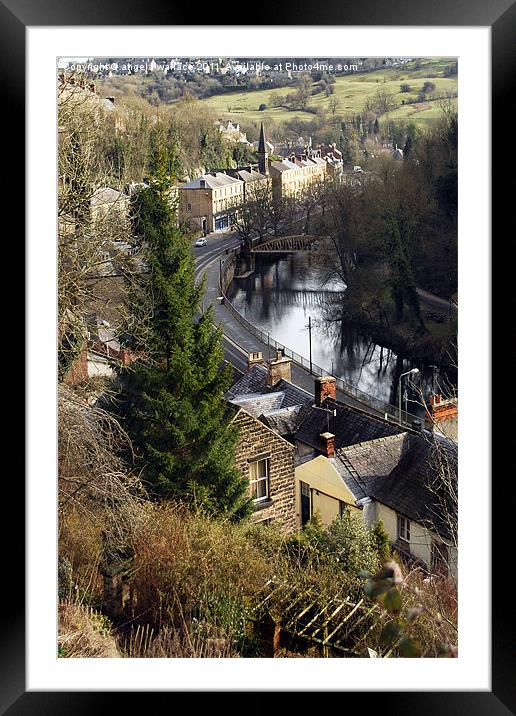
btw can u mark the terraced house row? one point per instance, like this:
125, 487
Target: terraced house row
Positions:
210, 202
307, 454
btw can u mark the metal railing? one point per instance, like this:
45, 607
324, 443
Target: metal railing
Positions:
385, 409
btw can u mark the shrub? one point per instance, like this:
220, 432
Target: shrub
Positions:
350, 542
187, 564
84, 634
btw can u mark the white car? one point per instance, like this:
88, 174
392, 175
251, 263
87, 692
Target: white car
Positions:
200, 242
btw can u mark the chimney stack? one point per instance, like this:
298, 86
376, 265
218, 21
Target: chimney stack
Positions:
325, 387
328, 444
441, 410
279, 368
254, 358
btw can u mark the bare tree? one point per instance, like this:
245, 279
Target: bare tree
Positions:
91, 467
92, 219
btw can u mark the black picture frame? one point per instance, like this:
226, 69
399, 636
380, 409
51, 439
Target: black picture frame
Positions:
15, 17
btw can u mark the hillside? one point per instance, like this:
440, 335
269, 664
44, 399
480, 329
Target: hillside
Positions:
352, 93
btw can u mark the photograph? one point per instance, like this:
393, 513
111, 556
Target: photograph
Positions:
257, 351
258, 275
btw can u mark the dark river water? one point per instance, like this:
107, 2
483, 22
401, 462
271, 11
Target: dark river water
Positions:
281, 295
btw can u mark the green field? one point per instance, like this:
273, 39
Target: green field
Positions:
352, 93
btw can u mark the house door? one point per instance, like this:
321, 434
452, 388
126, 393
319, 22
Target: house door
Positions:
305, 503
204, 230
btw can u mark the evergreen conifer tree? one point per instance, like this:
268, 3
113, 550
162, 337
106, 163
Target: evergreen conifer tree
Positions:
381, 541
174, 409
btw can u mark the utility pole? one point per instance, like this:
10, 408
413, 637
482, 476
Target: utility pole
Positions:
310, 340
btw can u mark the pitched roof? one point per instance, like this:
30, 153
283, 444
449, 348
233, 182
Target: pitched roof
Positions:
423, 484
362, 465
258, 403
284, 421
284, 165
211, 181
106, 195
350, 426
414, 475
255, 382
250, 176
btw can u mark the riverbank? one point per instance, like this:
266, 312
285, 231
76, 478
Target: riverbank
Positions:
435, 342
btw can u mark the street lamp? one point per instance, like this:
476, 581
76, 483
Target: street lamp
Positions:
409, 372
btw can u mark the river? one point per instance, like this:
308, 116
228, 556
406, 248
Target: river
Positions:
281, 295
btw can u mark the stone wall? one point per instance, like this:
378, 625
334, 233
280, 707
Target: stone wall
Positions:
255, 440
228, 270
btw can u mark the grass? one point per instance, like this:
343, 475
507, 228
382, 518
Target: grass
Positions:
352, 93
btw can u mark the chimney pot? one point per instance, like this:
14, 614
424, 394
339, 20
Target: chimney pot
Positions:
254, 358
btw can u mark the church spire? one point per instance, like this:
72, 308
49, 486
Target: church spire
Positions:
263, 157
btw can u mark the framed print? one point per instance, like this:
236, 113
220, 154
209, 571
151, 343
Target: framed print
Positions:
220, 175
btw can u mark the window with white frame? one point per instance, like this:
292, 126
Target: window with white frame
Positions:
403, 529
259, 478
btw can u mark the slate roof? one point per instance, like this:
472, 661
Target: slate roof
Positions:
284, 165
350, 427
211, 181
404, 472
258, 403
415, 488
255, 381
251, 176
284, 421
363, 465
106, 195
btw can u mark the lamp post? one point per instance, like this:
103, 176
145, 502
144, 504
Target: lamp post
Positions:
414, 371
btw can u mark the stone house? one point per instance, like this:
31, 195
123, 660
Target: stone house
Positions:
268, 461
290, 177
210, 202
